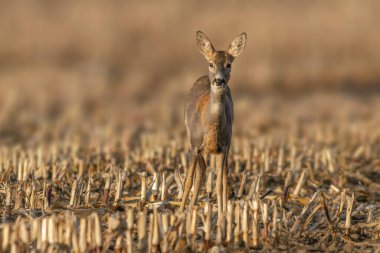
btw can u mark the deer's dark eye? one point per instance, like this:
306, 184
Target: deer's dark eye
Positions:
211, 65
229, 65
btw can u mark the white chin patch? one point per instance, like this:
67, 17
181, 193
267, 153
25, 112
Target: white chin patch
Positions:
218, 86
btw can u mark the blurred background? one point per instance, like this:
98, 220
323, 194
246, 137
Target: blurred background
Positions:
87, 64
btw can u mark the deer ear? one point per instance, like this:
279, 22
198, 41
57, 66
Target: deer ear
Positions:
237, 45
204, 45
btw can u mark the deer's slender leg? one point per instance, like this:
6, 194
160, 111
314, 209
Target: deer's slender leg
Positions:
219, 172
199, 174
189, 178
225, 184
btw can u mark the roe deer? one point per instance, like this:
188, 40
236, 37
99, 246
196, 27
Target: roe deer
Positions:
208, 118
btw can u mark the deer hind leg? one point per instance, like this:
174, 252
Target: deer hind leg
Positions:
189, 179
199, 174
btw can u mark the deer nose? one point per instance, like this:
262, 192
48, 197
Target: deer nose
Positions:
219, 81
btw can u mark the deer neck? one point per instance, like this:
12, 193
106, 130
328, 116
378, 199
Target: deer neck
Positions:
216, 106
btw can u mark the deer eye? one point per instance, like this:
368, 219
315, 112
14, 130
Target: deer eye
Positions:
211, 65
229, 65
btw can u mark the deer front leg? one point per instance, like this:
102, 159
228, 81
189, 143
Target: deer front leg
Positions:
219, 171
225, 183
189, 179
199, 174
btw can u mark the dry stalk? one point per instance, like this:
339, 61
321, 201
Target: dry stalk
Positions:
20, 172
194, 227
119, 244
341, 205
330, 162
255, 224
6, 235
274, 219
242, 184
150, 237
301, 182
106, 191
255, 165
237, 225
184, 161
264, 215
88, 191
130, 223
266, 161
280, 161
52, 232
23, 232
156, 233
165, 246
209, 184
179, 182
155, 187
350, 208
32, 199
301, 218
163, 187
142, 232
8, 204
119, 189
244, 225
82, 235
143, 187
230, 217
323, 203
370, 217
249, 156
188, 224
253, 187
73, 194
310, 217
207, 224
237, 164
220, 229
286, 186
48, 195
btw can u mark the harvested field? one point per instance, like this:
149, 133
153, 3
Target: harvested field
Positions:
93, 148
294, 183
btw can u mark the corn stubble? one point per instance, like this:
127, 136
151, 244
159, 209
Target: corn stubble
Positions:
311, 187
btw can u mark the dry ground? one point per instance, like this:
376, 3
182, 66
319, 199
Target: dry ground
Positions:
93, 150
304, 173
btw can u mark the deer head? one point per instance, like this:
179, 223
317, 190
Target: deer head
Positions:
220, 62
